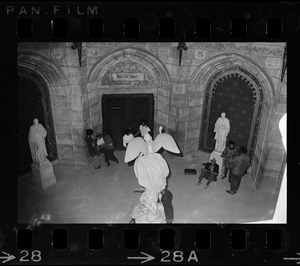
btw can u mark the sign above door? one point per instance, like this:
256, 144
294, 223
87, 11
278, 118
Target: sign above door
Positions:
126, 73
128, 76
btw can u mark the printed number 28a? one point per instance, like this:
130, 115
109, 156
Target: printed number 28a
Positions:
36, 256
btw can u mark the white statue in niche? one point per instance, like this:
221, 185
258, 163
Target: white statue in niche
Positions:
222, 128
36, 139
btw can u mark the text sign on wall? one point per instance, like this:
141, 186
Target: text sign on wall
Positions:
128, 76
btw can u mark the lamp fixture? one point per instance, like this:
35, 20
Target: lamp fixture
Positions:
181, 47
78, 46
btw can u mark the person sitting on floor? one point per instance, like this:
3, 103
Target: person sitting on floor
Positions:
100, 141
210, 172
109, 148
92, 146
100, 144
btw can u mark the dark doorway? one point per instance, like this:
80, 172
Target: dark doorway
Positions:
32, 103
236, 96
122, 110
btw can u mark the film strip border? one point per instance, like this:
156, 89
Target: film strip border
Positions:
151, 244
131, 28
239, 239
156, 21
128, 244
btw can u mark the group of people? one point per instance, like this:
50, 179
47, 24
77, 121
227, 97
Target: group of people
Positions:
236, 162
101, 143
128, 136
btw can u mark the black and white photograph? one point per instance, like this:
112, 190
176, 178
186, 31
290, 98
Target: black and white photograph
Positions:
151, 132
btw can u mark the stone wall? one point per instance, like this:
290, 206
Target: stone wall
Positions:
270, 154
76, 92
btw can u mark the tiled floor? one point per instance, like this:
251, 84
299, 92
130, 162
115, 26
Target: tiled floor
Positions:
86, 195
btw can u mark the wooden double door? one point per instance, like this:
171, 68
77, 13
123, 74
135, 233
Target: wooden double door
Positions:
119, 111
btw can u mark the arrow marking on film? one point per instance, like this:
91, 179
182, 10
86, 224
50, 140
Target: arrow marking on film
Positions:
294, 258
8, 257
145, 259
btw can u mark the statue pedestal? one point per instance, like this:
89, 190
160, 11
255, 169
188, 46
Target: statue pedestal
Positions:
219, 161
43, 175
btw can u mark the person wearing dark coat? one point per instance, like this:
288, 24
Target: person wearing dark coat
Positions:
92, 146
109, 148
210, 172
240, 164
229, 153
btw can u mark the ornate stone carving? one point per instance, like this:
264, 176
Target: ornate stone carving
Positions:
276, 50
128, 73
243, 47
254, 48
200, 54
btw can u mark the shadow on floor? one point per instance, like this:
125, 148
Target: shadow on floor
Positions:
166, 200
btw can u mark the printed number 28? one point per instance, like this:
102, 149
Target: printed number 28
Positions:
177, 256
36, 256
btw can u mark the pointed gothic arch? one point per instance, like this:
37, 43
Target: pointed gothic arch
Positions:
46, 115
160, 88
138, 55
48, 78
51, 74
214, 83
202, 80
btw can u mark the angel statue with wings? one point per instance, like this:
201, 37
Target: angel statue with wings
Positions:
151, 170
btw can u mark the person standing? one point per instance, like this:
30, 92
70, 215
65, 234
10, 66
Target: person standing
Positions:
228, 154
143, 129
127, 137
109, 147
222, 128
240, 164
92, 146
210, 172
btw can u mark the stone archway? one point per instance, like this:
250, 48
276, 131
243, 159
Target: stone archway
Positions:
246, 133
52, 75
40, 92
51, 83
95, 86
202, 78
